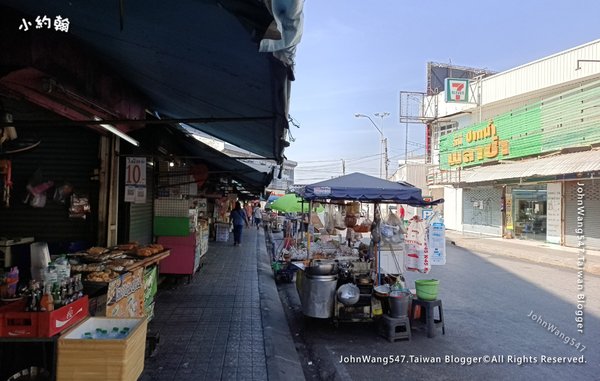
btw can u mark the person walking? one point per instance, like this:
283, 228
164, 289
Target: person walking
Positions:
238, 219
248, 210
257, 213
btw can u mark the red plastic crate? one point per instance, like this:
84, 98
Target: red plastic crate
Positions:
14, 322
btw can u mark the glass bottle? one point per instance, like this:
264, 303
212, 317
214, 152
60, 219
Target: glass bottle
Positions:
63, 293
47, 302
70, 290
56, 295
78, 285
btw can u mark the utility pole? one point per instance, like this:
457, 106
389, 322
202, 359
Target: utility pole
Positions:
384, 142
385, 156
383, 148
343, 167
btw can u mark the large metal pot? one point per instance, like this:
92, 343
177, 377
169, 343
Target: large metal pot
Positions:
319, 267
318, 295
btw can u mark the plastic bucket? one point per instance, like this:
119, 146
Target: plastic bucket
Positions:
427, 289
399, 303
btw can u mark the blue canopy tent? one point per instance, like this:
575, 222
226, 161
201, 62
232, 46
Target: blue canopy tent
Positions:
365, 188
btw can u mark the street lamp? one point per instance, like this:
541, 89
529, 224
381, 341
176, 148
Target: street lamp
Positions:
383, 140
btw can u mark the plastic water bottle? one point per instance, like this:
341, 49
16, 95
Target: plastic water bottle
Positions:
101, 333
114, 334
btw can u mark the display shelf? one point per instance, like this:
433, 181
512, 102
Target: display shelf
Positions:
149, 260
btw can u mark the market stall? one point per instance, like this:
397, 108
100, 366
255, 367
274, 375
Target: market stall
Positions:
342, 275
51, 312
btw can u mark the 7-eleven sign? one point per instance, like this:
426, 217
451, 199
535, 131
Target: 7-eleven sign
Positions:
457, 90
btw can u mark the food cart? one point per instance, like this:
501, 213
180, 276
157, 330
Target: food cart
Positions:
320, 283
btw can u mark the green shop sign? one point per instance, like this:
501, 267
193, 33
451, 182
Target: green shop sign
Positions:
569, 119
506, 137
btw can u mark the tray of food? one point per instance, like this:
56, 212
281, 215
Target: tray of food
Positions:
148, 250
102, 276
87, 267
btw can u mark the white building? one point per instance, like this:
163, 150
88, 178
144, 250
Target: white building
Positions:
512, 151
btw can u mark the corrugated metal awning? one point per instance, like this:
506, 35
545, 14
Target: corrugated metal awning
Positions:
579, 162
158, 139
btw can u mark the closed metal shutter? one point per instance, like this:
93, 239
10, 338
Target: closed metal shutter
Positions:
482, 210
591, 209
141, 215
65, 155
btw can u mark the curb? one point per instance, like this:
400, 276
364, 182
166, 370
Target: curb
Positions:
283, 362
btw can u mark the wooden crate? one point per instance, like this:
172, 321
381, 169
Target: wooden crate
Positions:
102, 359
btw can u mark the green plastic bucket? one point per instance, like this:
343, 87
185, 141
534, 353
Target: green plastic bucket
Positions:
427, 289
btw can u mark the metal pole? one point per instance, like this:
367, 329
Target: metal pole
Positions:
383, 141
386, 157
381, 156
406, 144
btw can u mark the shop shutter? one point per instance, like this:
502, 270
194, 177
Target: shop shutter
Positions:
65, 154
591, 222
141, 215
482, 210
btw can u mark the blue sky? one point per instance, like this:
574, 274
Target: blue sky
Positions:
356, 56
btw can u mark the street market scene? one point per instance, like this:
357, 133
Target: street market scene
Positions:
212, 190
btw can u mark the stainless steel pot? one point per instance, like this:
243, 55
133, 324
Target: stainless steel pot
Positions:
318, 295
348, 294
319, 267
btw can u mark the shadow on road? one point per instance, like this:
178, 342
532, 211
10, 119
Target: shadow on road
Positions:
489, 305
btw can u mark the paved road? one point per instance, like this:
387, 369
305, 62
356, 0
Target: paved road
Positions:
487, 303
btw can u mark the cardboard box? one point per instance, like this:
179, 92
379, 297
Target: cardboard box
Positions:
222, 232
150, 283
125, 296
102, 359
149, 310
98, 305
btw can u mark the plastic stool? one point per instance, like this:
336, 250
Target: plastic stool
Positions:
428, 316
394, 328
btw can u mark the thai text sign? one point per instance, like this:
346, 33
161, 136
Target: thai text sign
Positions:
506, 137
135, 179
125, 297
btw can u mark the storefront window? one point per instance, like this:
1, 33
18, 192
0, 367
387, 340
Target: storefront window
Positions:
529, 212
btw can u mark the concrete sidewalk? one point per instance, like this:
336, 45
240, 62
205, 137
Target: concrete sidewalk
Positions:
227, 324
534, 251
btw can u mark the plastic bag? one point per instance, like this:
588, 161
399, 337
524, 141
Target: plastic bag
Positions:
387, 231
80, 206
416, 251
338, 219
393, 219
391, 230
62, 193
437, 241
